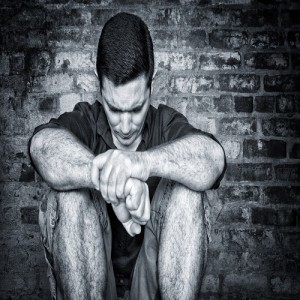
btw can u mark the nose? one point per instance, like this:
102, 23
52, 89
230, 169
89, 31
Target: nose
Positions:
125, 122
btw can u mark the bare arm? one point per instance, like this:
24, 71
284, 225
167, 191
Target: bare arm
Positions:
61, 159
196, 161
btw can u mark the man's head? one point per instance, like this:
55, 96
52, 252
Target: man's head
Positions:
125, 50
125, 67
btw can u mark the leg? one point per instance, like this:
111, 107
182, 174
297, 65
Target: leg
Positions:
171, 261
79, 246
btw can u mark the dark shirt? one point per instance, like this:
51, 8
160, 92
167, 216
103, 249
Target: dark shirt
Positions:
89, 124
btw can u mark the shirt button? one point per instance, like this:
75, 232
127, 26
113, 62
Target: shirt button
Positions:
121, 281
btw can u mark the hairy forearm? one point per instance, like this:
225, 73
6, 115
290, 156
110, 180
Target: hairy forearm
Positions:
195, 161
61, 159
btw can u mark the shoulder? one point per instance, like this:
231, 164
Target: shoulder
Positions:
167, 114
87, 110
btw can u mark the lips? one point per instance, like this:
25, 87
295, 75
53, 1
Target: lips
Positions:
125, 137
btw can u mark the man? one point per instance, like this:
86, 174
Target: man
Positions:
106, 161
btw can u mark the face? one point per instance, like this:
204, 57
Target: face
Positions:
126, 108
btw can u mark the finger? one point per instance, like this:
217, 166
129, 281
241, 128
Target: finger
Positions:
104, 177
134, 190
138, 213
121, 212
147, 209
144, 218
132, 228
111, 186
120, 185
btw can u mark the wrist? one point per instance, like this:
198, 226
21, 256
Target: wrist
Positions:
147, 162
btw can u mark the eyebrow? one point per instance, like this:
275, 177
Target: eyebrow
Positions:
117, 109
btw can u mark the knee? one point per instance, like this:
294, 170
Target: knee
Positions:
172, 197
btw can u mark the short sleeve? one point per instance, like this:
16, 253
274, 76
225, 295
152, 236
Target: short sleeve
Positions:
79, 122
176, 125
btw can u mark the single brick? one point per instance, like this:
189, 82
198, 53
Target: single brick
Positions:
290, 18
243, 104
273, 61
101, 16
13, 149
17, 63
188, 84
27, 173
238, 193
295, 152
64, 17
243, 83
268, 216
296, 61
164, 39
73, 60
13, 126
38, 63
293, 39
232, 214
282, 83
281, 127
175, 60
4, 64
267, 40
282, 195
210, 104
220, 61
15, 82
224, 103
68, 101
65, 38
285, 103
228, 39
264, 104
249, 172
29, 215
291, 241
287, 172
28, 18
48, 104
237, 126
162, 17
232, 149
235, 283
56, 83
18, 40
191, 39
263, 148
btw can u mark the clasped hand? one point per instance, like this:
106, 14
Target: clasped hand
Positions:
120, 177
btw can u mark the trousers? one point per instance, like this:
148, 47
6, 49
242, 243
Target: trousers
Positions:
174, 247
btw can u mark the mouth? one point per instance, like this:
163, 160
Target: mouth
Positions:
125, 137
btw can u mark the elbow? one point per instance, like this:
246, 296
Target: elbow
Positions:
213, 171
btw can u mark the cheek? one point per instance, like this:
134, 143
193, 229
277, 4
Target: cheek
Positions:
113, 119
138, 119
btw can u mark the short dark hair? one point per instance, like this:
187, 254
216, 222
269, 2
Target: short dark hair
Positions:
125, 50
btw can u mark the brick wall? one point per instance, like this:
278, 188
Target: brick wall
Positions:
232, 69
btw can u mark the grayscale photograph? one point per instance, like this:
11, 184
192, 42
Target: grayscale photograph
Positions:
150, 150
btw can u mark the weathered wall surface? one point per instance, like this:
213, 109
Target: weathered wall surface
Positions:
232, 69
